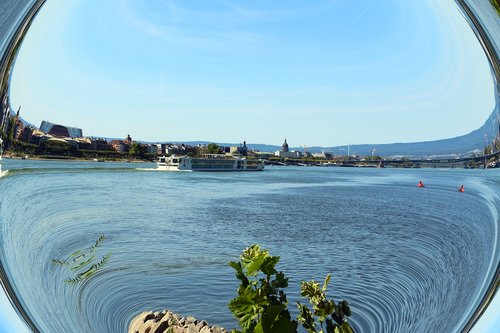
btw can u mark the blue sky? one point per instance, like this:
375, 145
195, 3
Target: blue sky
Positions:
315, 72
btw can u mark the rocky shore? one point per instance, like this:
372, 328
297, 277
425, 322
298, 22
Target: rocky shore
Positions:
169, 322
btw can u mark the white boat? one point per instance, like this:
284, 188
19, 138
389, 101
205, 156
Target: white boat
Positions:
211, 162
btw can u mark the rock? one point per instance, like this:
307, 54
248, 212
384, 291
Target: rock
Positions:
169, 322
218, 329
159, 316
137, 322
159, 327
205, 329
149, 317
191, 328
201, 324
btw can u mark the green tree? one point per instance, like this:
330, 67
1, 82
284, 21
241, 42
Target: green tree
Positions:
136, 150
212, 148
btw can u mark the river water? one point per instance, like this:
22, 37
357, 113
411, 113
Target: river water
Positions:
407, 259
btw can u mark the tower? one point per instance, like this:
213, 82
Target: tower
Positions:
284, 147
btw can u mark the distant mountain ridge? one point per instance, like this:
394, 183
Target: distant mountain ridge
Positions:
458, 145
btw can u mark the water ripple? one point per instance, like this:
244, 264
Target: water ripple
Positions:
406, 259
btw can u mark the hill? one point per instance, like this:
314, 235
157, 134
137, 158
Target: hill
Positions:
460, 145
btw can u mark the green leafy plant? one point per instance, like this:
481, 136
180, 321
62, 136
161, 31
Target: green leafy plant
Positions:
330, 317
83, 262
261, 304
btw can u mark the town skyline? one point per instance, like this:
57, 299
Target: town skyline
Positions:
370, 72
24, 132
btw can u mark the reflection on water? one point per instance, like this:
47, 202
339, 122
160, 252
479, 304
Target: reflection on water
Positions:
83, 263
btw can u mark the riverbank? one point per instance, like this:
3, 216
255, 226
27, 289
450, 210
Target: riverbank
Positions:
77, 159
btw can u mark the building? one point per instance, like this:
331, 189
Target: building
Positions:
284, 147
264, 154
120, 146
241, 149
100, 144
60, 131
160, 148
175, 149
284, 152
152, 149
323, 155
84, 143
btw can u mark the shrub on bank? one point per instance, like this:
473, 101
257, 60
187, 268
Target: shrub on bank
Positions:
261, 305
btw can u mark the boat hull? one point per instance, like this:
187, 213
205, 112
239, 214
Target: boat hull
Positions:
208, 164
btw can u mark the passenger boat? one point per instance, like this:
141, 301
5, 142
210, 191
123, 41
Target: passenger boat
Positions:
210, 162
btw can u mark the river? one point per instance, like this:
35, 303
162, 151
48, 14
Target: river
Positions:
406, 258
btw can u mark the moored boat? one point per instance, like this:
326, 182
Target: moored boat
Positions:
210, 162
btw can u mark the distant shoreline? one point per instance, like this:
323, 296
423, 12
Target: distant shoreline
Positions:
73, 159
384, 164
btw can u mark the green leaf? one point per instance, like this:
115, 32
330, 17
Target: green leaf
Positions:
276, 319
345, 328
97, 243
255, 265
268, 265
80, 260
270, 317
239, 273
341, 311
284, 324
330, 326
236, 265
305, 317
280, 281
323, 309
327, 281
59, 262
250, 253
82, 264
77, 254
247, 306
310, 290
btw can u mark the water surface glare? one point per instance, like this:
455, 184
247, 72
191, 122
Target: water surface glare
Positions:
407, 259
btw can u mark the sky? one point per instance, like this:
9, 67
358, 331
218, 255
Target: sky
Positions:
319, 73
